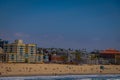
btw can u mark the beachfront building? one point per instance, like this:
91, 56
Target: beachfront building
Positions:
39, 58
3, 42
56, 58
2, 56
71, 56
46, 58
110, 56
30, 52
20, 52
39, 55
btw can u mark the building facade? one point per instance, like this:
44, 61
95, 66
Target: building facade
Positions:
20, 52
57, 59
110, 56
2, 56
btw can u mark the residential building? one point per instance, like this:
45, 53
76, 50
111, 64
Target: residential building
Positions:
110, 56
3, 42
46, 58
39, 58
39, 55
58, 58
2, 56
71, 56
20, 52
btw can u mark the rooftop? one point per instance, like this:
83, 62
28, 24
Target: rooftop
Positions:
110, 51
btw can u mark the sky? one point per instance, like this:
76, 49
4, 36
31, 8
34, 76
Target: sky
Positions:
90, 24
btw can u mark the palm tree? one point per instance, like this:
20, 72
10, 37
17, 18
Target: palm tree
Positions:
65, 58
77, 56
94, 55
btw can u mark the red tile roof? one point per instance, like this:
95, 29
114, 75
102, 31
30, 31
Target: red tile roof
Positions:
57, 58
110, 51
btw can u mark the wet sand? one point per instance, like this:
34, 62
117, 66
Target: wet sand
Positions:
21, 69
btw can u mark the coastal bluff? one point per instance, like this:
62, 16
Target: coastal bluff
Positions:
22, 69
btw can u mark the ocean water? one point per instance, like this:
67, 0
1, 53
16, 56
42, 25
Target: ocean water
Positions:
65, 77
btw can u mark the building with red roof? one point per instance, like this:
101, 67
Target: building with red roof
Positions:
112, 55
57, 59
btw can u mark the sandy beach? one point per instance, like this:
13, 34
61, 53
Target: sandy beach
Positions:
21, 69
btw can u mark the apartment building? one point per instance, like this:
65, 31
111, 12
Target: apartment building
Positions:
20, 52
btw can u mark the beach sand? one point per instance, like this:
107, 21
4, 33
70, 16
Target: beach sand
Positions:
22, 69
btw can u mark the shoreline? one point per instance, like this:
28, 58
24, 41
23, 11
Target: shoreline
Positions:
22, 69
57, 75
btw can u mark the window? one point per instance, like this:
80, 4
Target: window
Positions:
12, 56
21, 50
32, 51
6, 49
39, 58
32, 48
26, 55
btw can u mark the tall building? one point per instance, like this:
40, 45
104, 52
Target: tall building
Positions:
20, 52
30, 53
2, 56
3, 42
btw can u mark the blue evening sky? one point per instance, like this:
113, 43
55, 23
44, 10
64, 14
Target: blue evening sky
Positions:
90, 24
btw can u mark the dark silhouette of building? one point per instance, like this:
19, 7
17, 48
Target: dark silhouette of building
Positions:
2, 43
